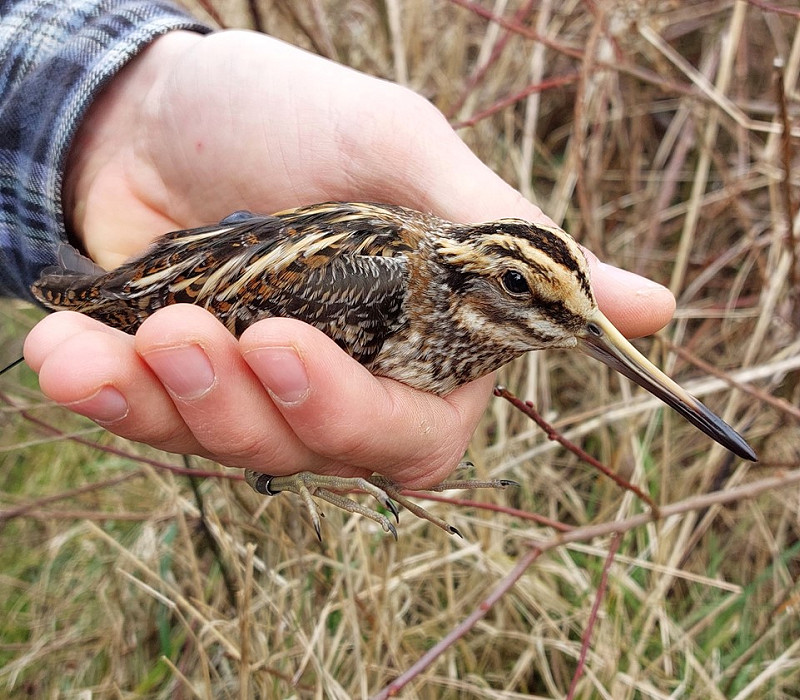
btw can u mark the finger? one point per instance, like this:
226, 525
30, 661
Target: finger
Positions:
98, 374
338, 409
218, 397
636, 305
54, 330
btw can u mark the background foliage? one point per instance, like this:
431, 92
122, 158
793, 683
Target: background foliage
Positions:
652, 132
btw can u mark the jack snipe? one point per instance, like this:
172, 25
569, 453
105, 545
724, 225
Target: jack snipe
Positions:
412, 297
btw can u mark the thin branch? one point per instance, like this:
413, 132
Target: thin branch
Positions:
701, 502
480, 72
494, 507
786, 181
516, 97
26, 508
166, 466
207, 532
780, 404
769, 7
587, 635
95, 515
643, 74
518, 28
461, 629
529, 410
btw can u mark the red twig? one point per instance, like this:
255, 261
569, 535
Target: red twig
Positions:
769, 7
517, 28
587, 635
517, 96
25, 508
643, 74
166, 466
461, 629
615, 528
529, 410
781, 405
480, 72
468, 503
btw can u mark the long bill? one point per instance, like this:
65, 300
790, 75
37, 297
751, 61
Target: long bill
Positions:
605, 343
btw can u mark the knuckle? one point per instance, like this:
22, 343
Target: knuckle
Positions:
246, 450
171, 436
347, 445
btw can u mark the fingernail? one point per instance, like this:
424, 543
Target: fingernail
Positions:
281, 371
107, 405
186, 371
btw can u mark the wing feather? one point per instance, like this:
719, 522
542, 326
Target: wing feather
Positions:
340, 267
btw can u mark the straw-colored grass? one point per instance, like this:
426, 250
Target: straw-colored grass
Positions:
664, 155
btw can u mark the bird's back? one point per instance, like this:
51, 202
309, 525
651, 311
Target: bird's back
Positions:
341, 268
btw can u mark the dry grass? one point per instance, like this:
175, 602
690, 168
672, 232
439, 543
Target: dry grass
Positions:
662, 151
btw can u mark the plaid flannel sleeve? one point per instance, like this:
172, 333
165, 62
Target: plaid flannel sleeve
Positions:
55, 56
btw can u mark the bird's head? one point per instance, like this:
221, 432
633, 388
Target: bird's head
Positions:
524, 286
529, 281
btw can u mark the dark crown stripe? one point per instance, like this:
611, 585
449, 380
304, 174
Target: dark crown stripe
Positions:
547, 241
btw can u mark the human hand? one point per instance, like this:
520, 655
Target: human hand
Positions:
197, 127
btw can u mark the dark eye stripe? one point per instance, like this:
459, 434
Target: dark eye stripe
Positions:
557, 312
573, 265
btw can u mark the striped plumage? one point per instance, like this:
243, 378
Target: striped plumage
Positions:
409, 295
413, 297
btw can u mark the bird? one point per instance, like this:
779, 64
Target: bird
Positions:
411, 296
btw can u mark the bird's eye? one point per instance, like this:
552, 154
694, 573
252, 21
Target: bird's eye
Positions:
594, 329
514, 283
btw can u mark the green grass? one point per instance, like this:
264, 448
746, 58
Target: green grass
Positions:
116, 592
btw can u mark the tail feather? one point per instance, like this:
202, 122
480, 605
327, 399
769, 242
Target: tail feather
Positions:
76, 284
70, 260
63, 285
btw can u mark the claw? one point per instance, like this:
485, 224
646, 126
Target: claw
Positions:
353, 507
395, 491
503, 483
389, 505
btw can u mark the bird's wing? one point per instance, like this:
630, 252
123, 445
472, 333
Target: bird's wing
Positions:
174, 266
355, 299
341, 268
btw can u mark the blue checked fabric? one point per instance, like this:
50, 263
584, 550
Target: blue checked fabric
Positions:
55, 56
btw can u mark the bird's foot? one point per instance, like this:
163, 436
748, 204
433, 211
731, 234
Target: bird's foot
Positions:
308, 486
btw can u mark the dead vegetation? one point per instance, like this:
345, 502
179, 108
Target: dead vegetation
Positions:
659, 135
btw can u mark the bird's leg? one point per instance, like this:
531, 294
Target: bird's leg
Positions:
308, 485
